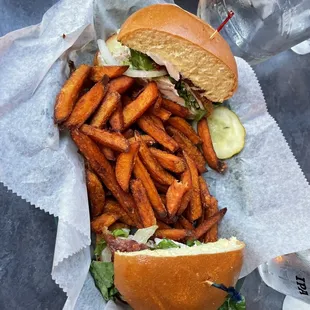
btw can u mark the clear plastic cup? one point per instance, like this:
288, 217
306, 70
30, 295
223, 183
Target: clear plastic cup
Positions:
260, 28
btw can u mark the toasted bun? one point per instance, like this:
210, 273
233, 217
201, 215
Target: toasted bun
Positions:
184, 40
175, 279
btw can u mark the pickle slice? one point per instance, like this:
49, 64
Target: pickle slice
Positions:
227, 132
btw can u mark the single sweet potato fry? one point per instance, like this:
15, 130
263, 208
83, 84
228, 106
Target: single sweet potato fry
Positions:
212, 234
186, 223
147, 125
113, 140
117, 118
186, 178
105, 110
158, 103
204, 193
112, 206
69, 93
173, 234
157, 121
195, 207
182, 125
121, 84
176, 109
207, 147
141, 173
137, 107
187, 146
104, 170
96, 194
95, 61
151, 164
208, 223
104, 220
124, 165
169, 161
98, 72
86, 105
162, 113
107, 152
174, 197
162, 225
119, 225
144, 208
129, 134
146, 138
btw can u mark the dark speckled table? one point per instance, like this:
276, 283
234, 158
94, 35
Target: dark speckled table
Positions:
28, 234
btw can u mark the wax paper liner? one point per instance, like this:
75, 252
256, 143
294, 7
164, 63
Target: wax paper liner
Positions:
264, 189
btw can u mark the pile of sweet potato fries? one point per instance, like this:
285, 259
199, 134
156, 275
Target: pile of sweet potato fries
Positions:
143, 159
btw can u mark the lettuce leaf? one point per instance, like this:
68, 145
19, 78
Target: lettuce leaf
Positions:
193, 242
231, 304
103, 274
100, 246
140, 61
121, 233
166, 244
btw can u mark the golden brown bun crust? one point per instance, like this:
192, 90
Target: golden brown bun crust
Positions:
176, 283
172, 19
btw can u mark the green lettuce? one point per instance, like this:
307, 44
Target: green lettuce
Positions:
193, 242
100, 246
232, 304
166, 244
140, 61
120, 233
103, 274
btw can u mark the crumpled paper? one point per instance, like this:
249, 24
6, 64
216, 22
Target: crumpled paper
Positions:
264, 189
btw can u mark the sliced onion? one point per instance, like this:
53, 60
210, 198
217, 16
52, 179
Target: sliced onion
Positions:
106, 255
145, 74
144, 234
105, 53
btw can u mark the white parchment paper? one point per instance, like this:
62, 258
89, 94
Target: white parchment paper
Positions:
265, 191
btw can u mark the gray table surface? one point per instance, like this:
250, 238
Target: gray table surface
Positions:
28, 234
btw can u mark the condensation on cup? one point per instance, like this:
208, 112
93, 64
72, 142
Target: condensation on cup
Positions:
289, 274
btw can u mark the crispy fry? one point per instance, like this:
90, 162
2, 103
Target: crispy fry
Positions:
204, 193
147, 125
98, 72
104, 220
186, 224
95, 192
163, 198
169, 161
144, 207
121, 84
186, 178
109, 104
157, 121
118, 225
175, 108
161, 188
104, 170
212, 234
69, 93
124, 165
173, 234
112, 206
151, 164
141, 173
107, 152
162, 225
195, 207
117, 118
129, 134
182, 125
174, 197
186, 145
137, 107
86, 105
158, 103
146, 138
113, 140
162, 113
95, 60
208, 223
207, 147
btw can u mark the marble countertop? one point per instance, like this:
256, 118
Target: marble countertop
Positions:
28, 234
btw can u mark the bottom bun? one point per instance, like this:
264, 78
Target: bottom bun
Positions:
176, 278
